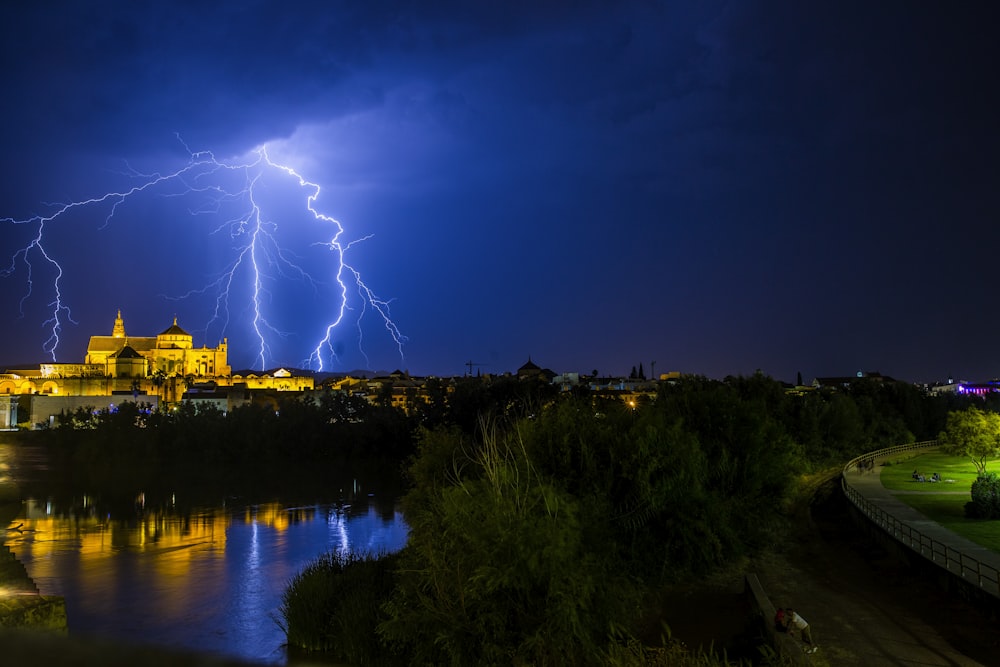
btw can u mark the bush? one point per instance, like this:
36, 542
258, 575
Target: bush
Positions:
502, 568
334, 604
985, 502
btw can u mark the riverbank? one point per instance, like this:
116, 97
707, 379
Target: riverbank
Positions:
196, 567
22, 647
21, 605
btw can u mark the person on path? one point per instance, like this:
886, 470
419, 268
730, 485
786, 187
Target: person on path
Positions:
798, 624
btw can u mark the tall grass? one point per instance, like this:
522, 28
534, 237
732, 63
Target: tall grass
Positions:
334, 606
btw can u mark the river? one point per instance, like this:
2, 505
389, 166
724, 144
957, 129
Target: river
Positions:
187, 568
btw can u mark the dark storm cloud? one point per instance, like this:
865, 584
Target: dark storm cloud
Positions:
234, 72
129, 72
719, 186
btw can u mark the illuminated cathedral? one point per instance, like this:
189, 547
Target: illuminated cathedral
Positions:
162, 369
171, 352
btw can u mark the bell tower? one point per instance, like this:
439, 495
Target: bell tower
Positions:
119, 330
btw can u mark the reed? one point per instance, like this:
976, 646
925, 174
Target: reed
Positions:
334, 606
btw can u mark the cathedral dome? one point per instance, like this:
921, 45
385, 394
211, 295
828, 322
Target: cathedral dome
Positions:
175, 330
174, 337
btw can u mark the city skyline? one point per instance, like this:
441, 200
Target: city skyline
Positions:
719, 188
640, 370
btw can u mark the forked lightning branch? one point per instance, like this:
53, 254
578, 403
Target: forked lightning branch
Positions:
230, 194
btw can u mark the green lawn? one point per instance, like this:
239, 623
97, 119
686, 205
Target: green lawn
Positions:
898, 476
938, 501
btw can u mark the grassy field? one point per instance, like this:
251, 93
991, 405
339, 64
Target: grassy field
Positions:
961, 472
944, 502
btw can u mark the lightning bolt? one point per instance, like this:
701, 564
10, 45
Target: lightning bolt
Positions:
258, 258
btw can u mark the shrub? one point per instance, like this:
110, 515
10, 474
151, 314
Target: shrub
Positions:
985, 502
333, 606
501, 568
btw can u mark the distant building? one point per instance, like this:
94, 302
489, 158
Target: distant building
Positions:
223, 399
280, 379
8, 413
161, 369
848, 380
171, 352
42, 410
978, 389
532, 371
566, 381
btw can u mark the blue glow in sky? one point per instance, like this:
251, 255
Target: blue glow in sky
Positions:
272, 264
717, 187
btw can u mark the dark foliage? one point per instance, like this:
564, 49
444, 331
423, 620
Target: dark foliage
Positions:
536, 517
253, 442
335, 604
501, 399
985, 503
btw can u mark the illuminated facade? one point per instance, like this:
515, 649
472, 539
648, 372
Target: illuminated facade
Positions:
153, 370
8, 412
171, 352
277, 380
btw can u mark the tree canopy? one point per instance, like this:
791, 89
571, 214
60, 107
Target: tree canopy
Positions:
973, 433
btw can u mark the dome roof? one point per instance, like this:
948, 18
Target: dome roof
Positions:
529, 366
127, 352
175, 330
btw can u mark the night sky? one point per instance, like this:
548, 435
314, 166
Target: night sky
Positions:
716, 187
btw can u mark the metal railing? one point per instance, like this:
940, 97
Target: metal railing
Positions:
969, 568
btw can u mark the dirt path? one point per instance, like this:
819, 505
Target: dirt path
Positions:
865, 608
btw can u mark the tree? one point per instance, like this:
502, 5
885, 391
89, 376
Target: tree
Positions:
343, 407
434, 410
501, 566
384, 395
973, 433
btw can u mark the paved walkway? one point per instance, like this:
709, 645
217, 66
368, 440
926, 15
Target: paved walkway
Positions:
949, 548
866, 607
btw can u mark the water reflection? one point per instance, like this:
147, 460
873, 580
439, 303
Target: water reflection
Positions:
208, 578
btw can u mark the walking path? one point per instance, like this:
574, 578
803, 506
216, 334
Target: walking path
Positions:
864, 606
974, 563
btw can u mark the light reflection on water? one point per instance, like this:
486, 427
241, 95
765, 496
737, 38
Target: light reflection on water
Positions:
208, 579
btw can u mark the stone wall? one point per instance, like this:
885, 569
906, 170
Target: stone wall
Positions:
785, 646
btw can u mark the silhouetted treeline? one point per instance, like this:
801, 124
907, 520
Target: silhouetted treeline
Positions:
334, 426
833, 426
470, 398
828, 426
